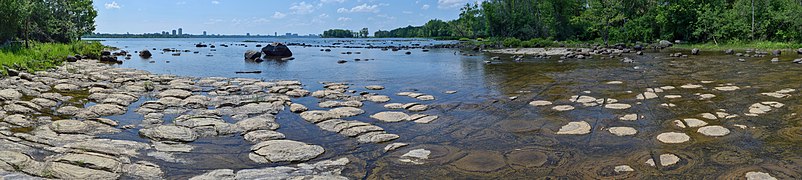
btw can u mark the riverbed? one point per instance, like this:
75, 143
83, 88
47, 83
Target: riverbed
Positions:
457, 114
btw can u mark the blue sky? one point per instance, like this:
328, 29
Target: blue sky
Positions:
267, 16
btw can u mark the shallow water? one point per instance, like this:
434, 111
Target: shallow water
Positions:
483, 133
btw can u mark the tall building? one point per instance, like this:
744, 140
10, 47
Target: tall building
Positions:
247, 34
173, 32
275, 34
180, 31
204, 33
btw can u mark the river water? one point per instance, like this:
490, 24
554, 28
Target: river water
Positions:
488, 129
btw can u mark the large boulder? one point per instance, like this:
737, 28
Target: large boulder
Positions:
252, 55
71, 59
276, 50
665, 44
638, 47
695, 51
776, 52
109, 59
105, 53
799, 51
145, 54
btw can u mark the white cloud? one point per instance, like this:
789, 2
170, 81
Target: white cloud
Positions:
215, 2
302, 8
331, 1
361, 8
343, 19
366, 8
425, 7
279, 15
112, 5
324, 15
450, 4
406, 12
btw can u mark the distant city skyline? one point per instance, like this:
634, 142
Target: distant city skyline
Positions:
271, 17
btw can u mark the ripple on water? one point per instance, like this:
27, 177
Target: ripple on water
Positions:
791, 133
480, 161
731, 157
517, 126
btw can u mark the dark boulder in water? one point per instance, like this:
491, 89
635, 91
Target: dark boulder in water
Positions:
276, 50
252, 55
145, 54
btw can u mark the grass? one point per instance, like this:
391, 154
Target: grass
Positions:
764, 45
41, 56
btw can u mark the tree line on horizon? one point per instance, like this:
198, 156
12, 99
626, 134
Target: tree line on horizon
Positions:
60, 21
619, 21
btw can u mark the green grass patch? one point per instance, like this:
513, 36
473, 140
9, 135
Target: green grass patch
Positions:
764, 45
41, 56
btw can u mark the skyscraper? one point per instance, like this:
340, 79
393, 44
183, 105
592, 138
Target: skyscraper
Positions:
173, 32
180, 31
204, 33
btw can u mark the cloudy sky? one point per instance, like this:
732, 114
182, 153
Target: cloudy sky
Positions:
267, 16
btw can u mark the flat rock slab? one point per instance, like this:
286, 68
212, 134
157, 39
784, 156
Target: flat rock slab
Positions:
415, 156
481, 161
540, 103
575, 128
284, 151
715, 131
623, 131
673, 137
390, 116
169, 133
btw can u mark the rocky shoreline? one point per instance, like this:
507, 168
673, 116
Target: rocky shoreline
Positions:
54, 122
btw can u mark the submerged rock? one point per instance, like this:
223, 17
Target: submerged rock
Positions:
575, 128
563, 108
416, 156
715, 131
623, 131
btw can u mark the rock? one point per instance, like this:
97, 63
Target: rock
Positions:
71, 59
450, 92
317, 116
376, 137
145, 54
10, 94
776, 52
297, 108
617, 106
374, 87
638, 47
342, 112
88, 160
105, 53
715, 131
695, 51
169, 133
284, 151
69, 126
665, 44
775, 59
673, 137
258, 123
276, 50
341, 61
415, 156
66, 87
729, 51
176, 93
425, 97
575, 128
540, 103
563, 108
426, 120
394, 146
390, 116
69, 171
252, 55
263, 135
759, 175
665, 160
220, 174
378, 98
623, 131
646, 95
